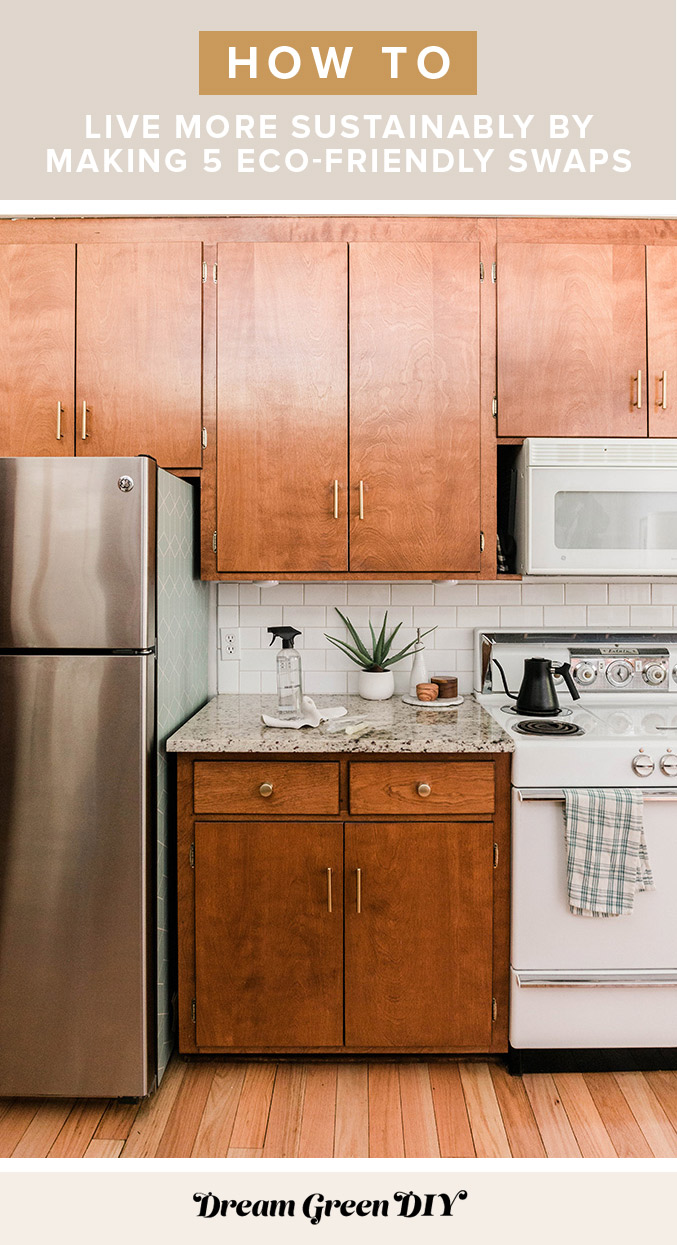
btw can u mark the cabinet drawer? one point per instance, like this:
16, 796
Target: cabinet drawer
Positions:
461, 787
243, 787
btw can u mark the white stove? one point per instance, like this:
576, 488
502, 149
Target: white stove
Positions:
583, 983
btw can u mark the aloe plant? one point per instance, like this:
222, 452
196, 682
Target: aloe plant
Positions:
379, 658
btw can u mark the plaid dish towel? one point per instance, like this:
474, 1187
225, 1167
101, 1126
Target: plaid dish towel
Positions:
607, 860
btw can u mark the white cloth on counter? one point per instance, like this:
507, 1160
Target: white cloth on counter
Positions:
607, 858
310, 715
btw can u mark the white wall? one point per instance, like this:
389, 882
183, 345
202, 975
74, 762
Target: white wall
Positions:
454, 609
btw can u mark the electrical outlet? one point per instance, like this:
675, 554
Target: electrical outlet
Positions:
229, 644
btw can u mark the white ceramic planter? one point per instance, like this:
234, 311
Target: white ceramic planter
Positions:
376, 684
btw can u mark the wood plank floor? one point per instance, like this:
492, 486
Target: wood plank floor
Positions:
442, 1108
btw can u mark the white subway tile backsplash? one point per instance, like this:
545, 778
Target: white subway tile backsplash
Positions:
228, 594
650, 616
325, 594
629, 594
412, 594
368, 594
282, 594
664, 594
565, 616
542, 594
585, 594
608, 615
521, 615
481, 616
455, 594
454, 610
499, 594
261, 616
268, 682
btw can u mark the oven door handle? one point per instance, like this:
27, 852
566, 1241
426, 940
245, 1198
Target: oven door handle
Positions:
534, 980
656, 794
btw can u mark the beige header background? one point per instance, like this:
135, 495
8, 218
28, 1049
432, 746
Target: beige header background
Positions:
611, 58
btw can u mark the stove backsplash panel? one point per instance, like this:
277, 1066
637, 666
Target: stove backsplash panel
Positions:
455, 610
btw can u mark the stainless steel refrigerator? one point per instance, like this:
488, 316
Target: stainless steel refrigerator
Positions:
103, 652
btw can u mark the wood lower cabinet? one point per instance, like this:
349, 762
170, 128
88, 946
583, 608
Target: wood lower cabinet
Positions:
419, 910
571, 340
37, 343
268, 934
338, 932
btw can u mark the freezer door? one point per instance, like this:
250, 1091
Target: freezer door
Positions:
77, 553
76, 873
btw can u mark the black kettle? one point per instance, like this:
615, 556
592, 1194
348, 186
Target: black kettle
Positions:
537, 694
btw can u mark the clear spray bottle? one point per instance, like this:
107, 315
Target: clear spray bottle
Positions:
288, 673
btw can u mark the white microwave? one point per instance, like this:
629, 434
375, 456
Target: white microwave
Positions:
588, 506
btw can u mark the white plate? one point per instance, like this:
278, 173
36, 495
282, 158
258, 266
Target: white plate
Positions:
451, 703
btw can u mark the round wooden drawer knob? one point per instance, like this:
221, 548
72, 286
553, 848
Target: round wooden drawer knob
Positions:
266, 789
424, 788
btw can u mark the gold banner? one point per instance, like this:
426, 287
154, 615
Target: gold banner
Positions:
344, 62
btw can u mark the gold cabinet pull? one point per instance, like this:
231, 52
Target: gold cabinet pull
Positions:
59, 413
361, 499
424, 789
85, 433
638, 378
664, 390
329, 907
336, 499
359, 890
266, 789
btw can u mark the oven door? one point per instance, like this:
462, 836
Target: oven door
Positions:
588, 981
600, 520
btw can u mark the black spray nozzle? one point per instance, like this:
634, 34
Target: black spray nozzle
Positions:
285, 634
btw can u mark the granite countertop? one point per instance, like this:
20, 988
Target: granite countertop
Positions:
233, 723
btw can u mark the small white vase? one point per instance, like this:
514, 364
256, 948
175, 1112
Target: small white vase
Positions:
376, 684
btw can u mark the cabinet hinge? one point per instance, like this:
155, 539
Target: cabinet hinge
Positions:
493, 273
215, 273
204, 272
191, 855
204, 438
192, 1011
494, 1009
481, 271
481, 542
495, 855
214, 542
494, 406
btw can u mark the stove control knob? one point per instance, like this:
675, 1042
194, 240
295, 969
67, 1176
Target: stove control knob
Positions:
654, 674
668, 764
585, 673
643, 765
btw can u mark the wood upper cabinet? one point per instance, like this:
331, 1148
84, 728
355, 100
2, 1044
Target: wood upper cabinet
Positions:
268, 934
139, 351
37, 339
571, 340
414, 406
282, 407
418, 918
661, 281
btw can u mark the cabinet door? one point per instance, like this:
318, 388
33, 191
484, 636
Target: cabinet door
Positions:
37, 349
282, 415
661, 279
571, 340
419, 934
414, 406
139, 351
268, 941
